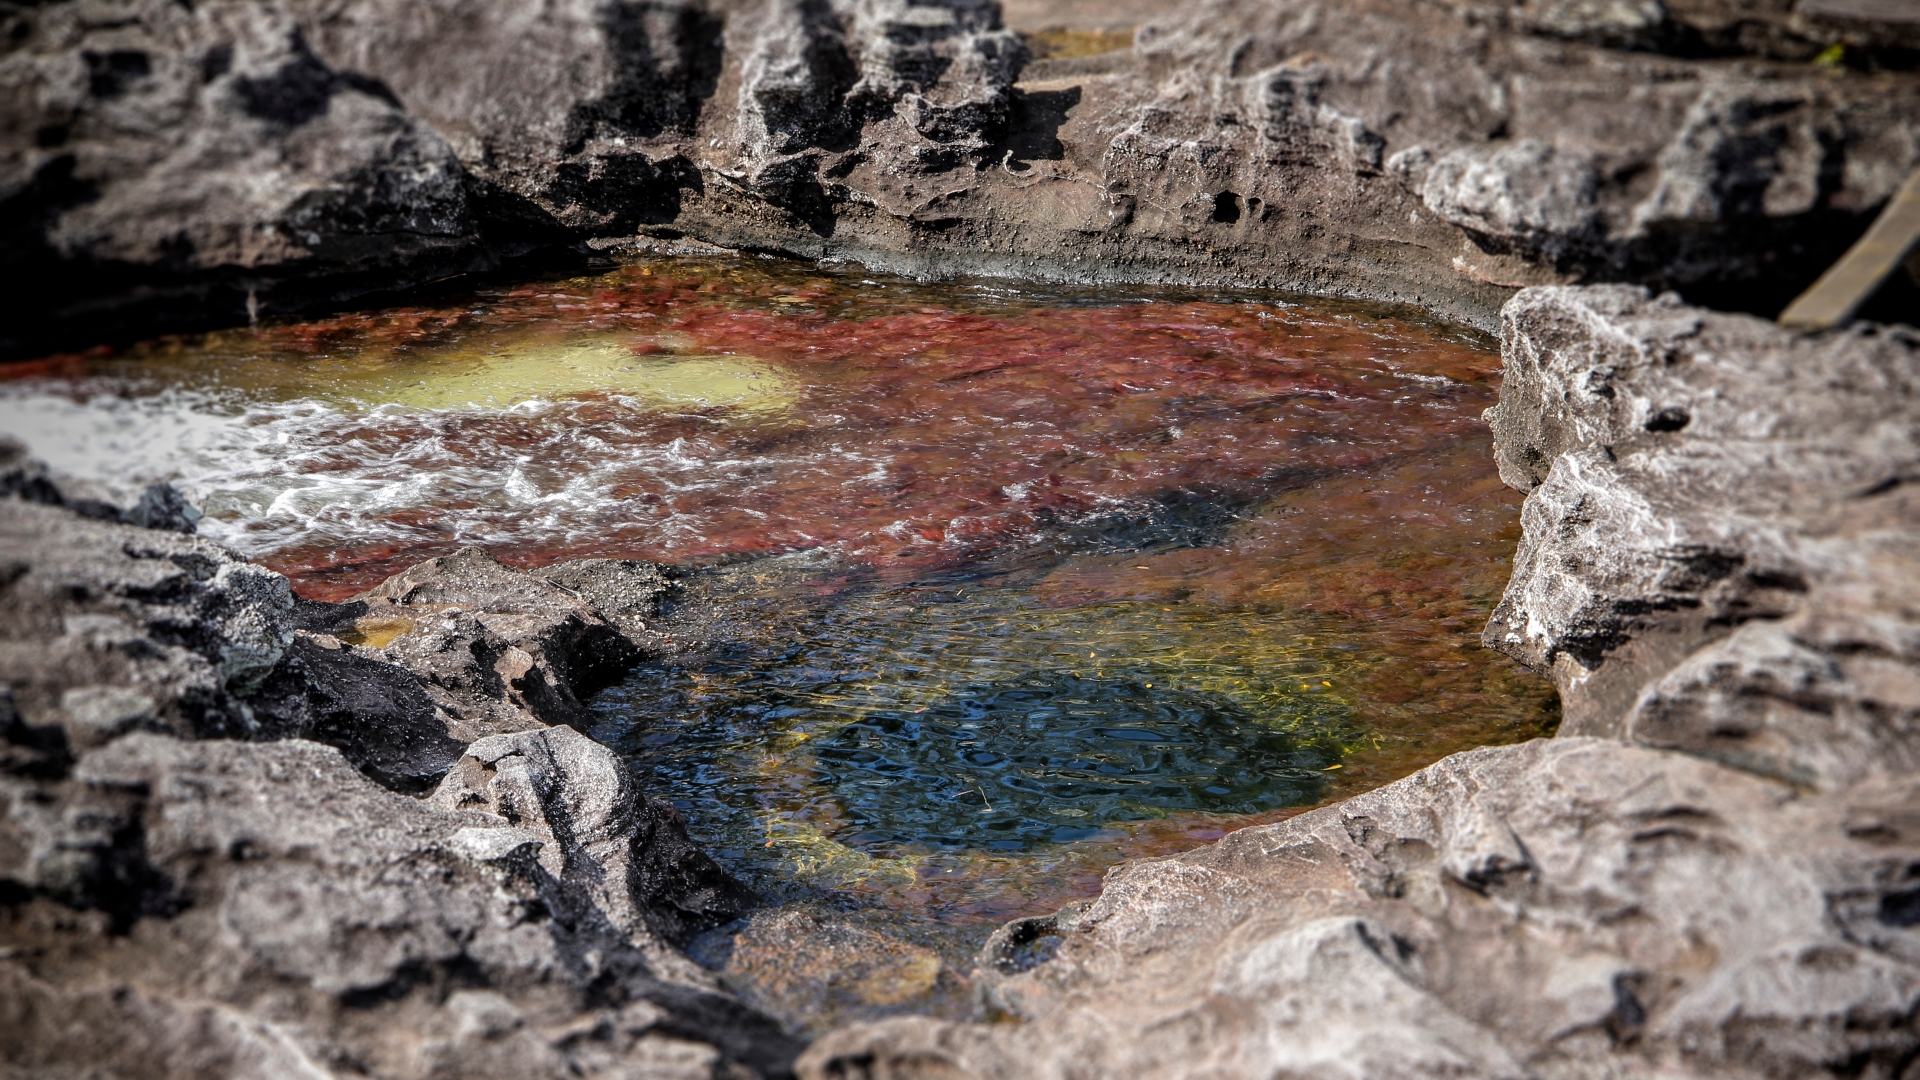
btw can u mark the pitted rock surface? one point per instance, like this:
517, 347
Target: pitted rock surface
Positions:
165, 163
293, 919
1701, 479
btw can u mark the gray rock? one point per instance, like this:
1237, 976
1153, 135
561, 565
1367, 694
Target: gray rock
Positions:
1693, 472
547, 106
1563, 908
164, 163
296, 920
1242, 142
189, 885
598, 833
503, 650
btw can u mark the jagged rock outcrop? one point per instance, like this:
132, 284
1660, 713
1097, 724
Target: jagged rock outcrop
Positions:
1442, 154
1713, 870
1722, 507
201, 872
501, 650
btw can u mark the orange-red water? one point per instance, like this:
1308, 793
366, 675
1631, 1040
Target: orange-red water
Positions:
1288, 509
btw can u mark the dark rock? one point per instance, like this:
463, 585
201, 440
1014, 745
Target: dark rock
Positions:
1441, 154
547, 106
159, 506
493, 642
165, 164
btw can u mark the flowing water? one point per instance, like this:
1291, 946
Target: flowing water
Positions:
990, 587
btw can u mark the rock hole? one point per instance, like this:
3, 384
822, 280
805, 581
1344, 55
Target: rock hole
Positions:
109, 74
1226, 208
1901, 909
1671, 418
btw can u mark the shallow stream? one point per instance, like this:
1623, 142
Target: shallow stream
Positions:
1000, 584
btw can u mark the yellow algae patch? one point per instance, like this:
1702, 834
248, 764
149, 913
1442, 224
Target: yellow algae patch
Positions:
811, 856
376, 631
571, 369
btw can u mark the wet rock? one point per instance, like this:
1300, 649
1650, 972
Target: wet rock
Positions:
501, 649
165, 164
811, 965
599, 833
291, 916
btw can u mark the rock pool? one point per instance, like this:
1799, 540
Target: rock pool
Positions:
984, 588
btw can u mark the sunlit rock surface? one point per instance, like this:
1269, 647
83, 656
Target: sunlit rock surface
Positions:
1714, 870
298, 151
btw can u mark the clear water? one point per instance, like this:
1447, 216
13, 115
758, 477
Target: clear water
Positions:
989, 587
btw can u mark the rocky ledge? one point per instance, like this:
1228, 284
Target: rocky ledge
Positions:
166, 165
1713, 870
244, 835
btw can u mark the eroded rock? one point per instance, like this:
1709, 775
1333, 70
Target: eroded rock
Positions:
500, 649
1692, 474
190, 884
165, 164
293, 917
1551, 909
1442, 154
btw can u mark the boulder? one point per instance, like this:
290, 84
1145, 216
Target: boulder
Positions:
500, 649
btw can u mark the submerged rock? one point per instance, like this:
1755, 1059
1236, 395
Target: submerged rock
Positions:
193, 881
1713, 870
